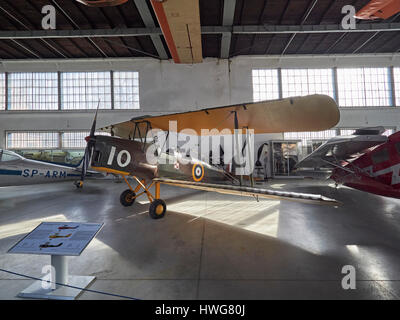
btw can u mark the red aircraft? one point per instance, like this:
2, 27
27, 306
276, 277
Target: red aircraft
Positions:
379, 9
102, 3
376, 170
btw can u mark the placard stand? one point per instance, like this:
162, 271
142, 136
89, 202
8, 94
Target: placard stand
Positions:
44, 290
59, 240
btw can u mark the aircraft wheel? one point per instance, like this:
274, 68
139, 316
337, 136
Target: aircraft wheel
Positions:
127, 198
157, 209
78, 184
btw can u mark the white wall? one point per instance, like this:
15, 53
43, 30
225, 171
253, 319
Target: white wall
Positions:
167, 87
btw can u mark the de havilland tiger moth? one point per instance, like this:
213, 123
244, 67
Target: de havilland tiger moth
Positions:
125, 152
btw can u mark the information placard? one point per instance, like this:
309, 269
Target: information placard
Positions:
58, 238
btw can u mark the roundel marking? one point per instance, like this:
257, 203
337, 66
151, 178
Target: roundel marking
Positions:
198, 172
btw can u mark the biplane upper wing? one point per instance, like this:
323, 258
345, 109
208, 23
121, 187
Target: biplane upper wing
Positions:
309, 113
379, 9
343, 148
250, 191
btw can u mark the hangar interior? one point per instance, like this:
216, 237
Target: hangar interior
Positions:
209, 245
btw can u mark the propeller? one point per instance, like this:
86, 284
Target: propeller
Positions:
88, 150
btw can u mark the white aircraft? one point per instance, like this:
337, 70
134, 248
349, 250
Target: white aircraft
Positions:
16, 170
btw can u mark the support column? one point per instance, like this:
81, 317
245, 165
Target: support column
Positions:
60, 265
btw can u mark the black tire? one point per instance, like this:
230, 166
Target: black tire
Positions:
127, 198
78, 184
157, 209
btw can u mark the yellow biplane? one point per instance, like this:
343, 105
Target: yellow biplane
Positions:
126, 152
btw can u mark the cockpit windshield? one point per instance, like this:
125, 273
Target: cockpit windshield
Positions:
8, 156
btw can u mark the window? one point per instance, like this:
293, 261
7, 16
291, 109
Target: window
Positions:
307, 136
76, 139
265, 85
2, 91
84, 90
126, 90
364, 87
33, 91
302, 82
396, 72
388, 132
32, 140
347, 132
380, 156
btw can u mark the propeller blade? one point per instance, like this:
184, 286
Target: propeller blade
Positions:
88, 150
93, 129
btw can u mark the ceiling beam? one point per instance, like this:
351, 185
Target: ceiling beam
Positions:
288, 29
310, 8
148, 21
135, 32
227, 21
68, 17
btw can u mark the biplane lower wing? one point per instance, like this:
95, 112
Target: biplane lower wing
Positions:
250, 191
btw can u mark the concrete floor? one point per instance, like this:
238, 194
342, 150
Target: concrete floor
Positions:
213, 246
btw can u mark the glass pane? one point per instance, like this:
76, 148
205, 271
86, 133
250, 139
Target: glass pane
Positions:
364, 87
126, 90
76, 139
265, 85
25, 140
302, 82
397, 85
32, 91
85, 90
2, 91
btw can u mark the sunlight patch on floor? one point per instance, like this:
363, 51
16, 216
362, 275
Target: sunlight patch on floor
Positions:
376, 267
261, 217
353, 249
278, 185
13, 229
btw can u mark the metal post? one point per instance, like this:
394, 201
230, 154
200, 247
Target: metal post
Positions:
250, 158
392, 87
112, 89
335, 85
59, 102
280, 83
6, 102
60, 265
236, 123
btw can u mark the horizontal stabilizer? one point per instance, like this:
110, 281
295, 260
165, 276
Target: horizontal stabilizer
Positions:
251, 192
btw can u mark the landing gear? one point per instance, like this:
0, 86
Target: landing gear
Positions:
78, 184
157, 206
127, 198
157, 209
